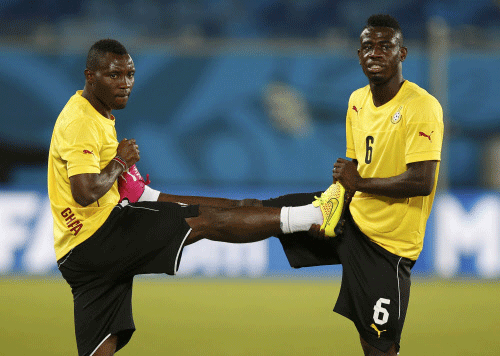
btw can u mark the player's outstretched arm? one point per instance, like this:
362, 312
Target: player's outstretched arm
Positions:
208, 201
133, 187
417, 180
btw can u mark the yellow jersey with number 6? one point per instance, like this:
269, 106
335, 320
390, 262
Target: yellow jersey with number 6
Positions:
408, 128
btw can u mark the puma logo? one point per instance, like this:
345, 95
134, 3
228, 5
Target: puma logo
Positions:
356, 109
425, 135
373, 326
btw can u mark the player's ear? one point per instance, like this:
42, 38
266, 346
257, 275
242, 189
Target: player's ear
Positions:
89, 76
403, 52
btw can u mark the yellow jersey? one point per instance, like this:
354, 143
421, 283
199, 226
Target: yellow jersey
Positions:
408, 128
83, 141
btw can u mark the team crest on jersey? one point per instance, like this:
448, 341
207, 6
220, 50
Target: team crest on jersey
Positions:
397, 116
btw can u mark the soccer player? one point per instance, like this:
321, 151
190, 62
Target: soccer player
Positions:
102, 241
394, 135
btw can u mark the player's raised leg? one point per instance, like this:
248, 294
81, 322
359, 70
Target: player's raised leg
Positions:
220, 222
239, 225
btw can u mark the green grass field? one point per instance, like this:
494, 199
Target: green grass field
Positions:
251, 317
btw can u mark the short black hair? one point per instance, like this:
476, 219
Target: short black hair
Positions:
102, 47
382, 20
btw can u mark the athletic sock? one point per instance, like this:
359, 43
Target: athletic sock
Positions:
300, 218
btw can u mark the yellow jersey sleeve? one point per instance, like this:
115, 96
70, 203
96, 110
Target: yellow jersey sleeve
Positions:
80, 148
424, 129
350, 150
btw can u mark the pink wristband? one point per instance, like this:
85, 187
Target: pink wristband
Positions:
121, 161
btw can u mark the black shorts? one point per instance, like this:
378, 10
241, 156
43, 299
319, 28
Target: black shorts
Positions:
375, 287
137, 238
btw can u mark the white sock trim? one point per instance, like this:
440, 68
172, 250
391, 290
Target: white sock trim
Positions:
300, 218
285, 220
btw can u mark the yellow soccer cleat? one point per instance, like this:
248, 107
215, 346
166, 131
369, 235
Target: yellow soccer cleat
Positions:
332, 203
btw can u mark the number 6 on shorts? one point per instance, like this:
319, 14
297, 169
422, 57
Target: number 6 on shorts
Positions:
381, 315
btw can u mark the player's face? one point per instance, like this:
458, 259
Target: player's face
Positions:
113, 80
380, 54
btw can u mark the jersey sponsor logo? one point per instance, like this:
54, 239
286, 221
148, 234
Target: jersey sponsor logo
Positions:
74, 225
356, 109
88, 152
397, 116
423, 134
373, 326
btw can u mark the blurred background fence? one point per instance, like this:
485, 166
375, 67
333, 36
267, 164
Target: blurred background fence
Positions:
248, 99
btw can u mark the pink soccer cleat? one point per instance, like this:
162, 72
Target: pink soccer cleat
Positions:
131, 184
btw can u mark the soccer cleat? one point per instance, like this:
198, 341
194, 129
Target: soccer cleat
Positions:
131, 184
332, 203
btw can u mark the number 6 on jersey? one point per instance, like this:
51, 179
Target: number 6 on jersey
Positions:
369, 149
